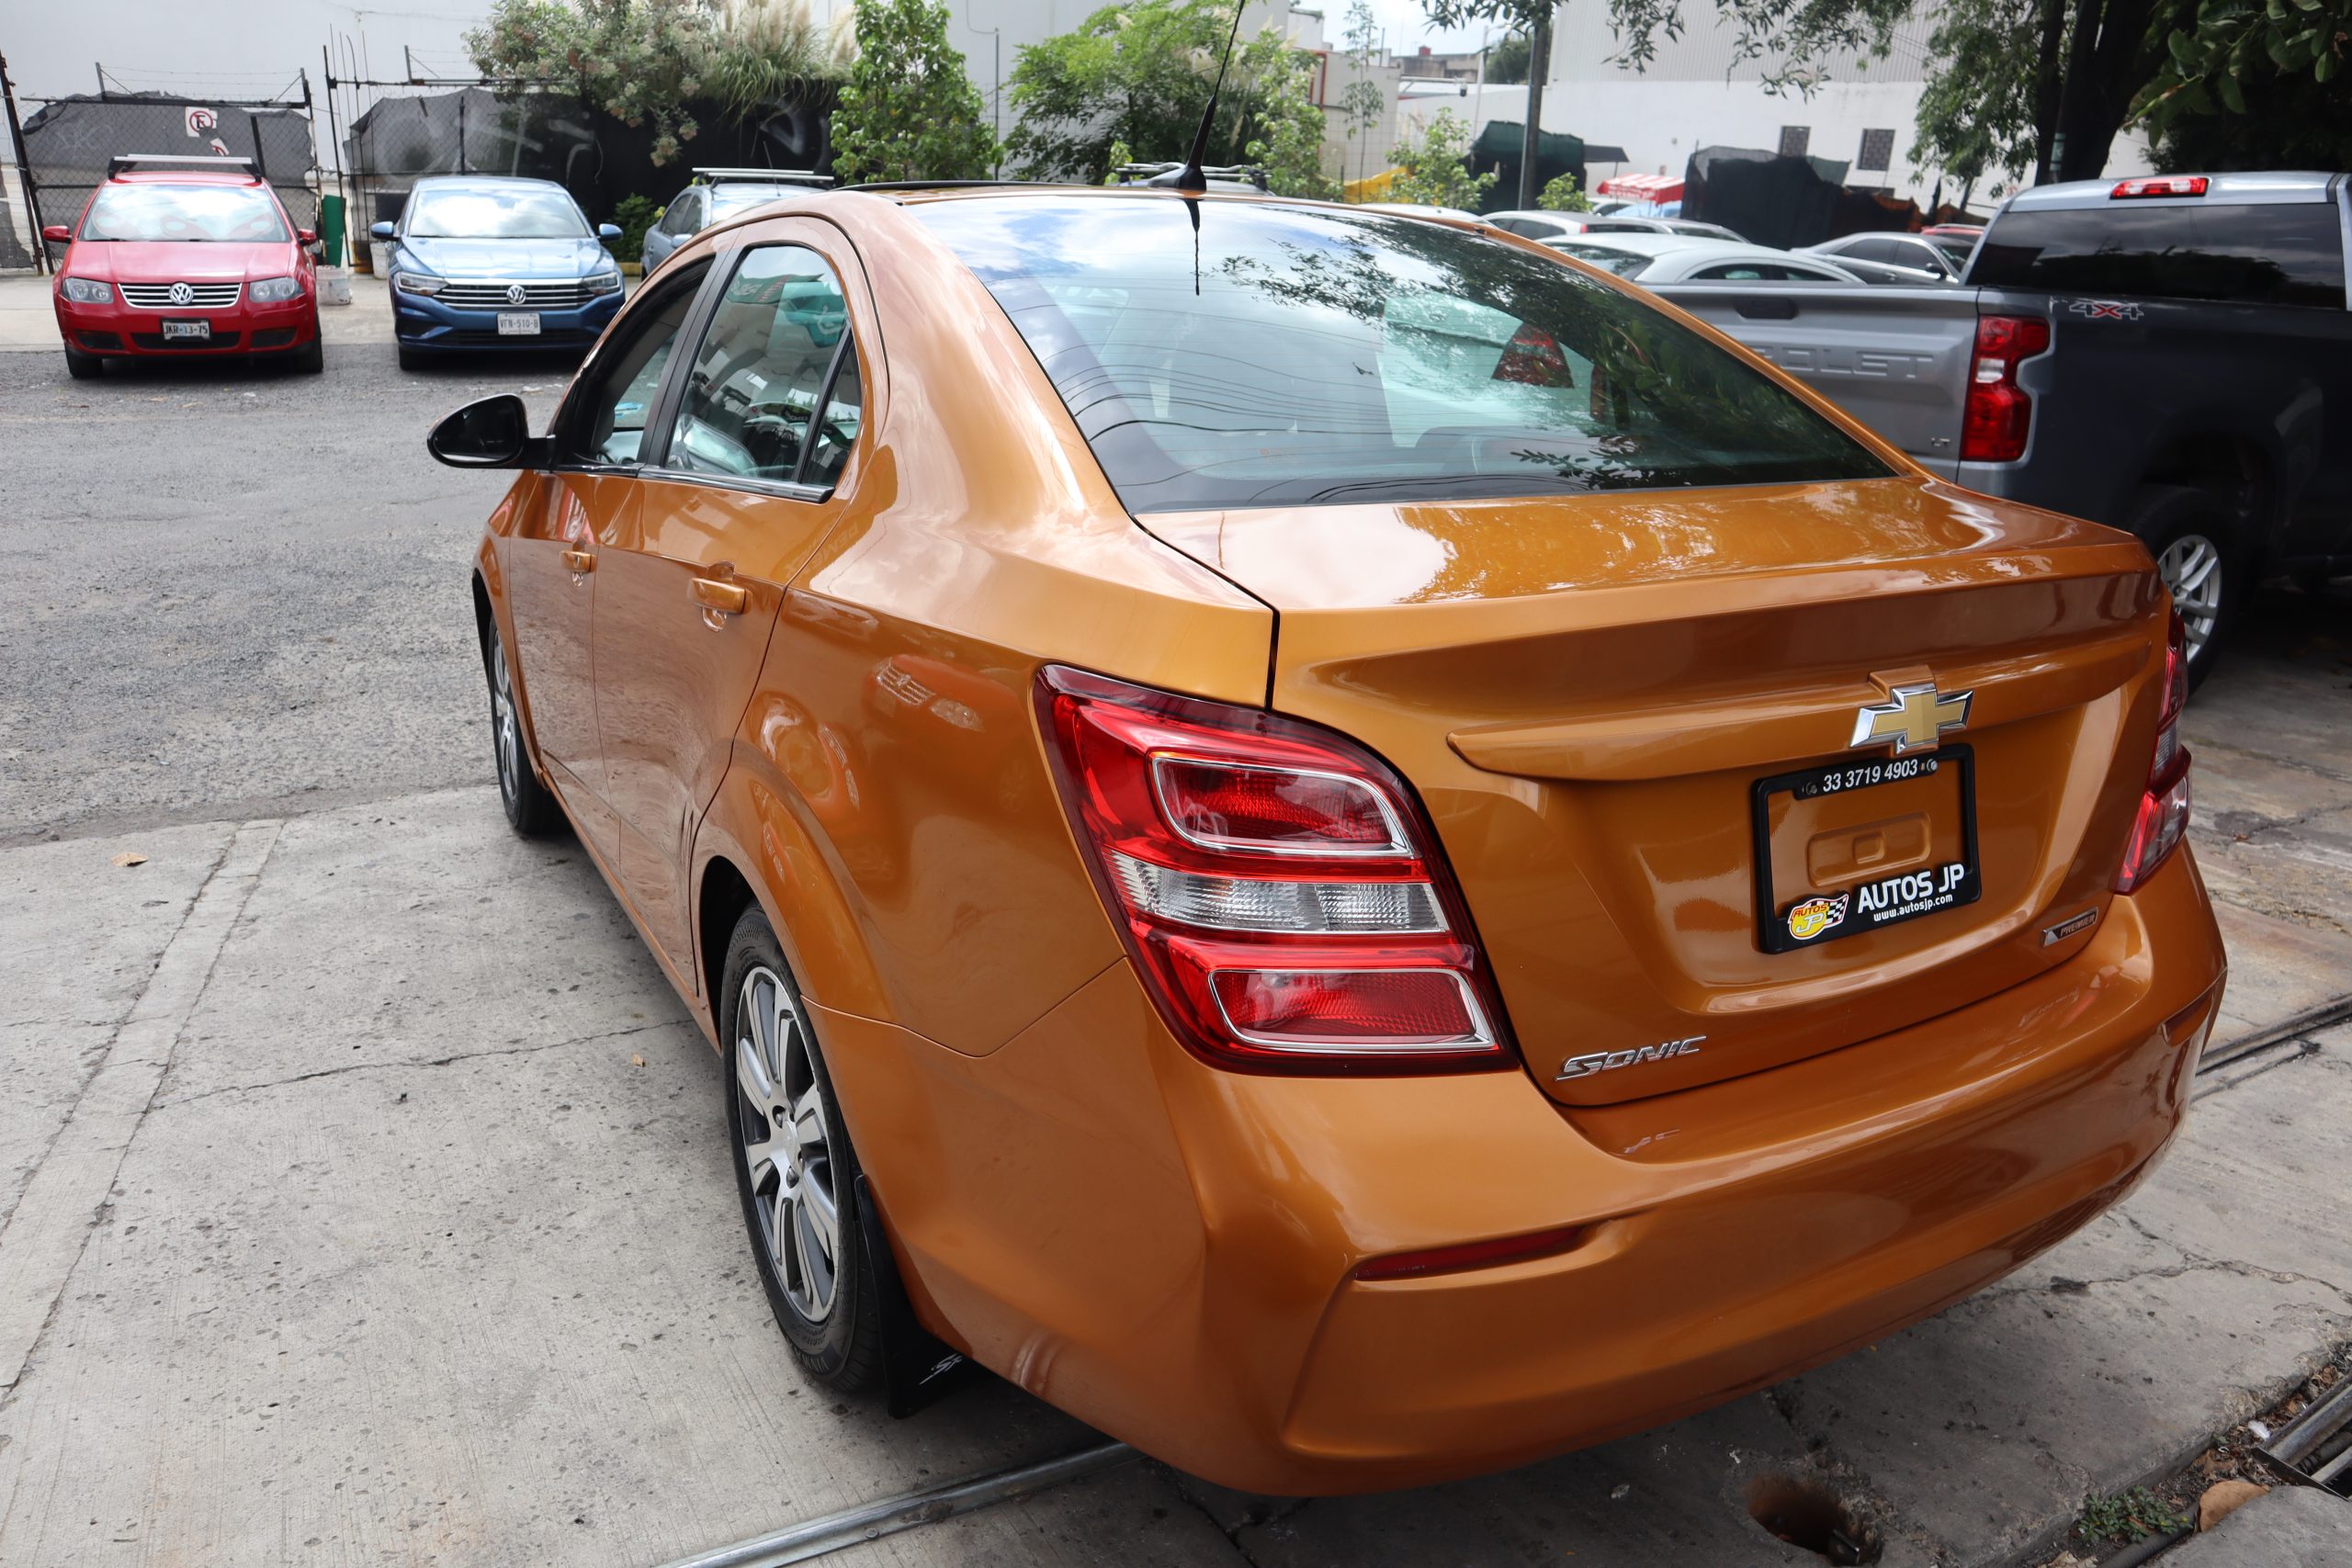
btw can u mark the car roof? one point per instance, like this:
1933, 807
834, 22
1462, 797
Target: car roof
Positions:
2269, 187
1650, 241
183, 177
1544, 212
487, 182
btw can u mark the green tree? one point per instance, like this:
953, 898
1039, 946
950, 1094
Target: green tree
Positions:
1363, 104
1976, 117
1562, 193
1532, 19
1142, 74
1507, 61
2254, 57
1436, 169
908, 111
1288, 140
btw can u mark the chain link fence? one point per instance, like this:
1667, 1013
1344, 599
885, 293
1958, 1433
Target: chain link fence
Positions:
68, 141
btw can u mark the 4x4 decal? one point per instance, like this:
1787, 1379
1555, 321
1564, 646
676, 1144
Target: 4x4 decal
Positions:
2107, 309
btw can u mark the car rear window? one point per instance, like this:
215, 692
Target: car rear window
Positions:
221, 214
2265, 254
1293, 355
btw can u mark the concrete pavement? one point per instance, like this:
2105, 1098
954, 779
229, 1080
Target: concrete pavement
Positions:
368, 1202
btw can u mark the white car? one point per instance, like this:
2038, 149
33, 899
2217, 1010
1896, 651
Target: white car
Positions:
1685, 258
1548, 226
1935, 261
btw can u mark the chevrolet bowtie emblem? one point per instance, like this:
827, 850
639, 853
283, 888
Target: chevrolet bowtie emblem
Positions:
1914, 721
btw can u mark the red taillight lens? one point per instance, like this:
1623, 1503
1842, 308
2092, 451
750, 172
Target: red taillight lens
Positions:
1277, 885
1534, 358
2174, 185
1999, 415
2163, 819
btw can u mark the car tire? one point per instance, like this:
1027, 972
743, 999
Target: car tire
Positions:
83, 366
2200, 555
794, 1166
410, 359
532, 809
309, 359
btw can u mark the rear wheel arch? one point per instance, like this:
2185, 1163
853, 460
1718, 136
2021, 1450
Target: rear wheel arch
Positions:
2237, 468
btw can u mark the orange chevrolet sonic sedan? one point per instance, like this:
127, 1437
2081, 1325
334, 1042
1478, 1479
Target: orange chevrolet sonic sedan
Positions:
1340, 845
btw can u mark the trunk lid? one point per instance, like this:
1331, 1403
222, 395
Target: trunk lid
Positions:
1586, 691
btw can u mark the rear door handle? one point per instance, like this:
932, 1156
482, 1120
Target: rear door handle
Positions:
581, 562
719, 598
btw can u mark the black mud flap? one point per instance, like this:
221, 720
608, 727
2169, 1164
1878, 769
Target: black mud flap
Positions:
917, 1368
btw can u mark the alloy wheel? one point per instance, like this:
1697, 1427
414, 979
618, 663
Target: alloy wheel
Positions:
505, 729
2192, 568
786, 1151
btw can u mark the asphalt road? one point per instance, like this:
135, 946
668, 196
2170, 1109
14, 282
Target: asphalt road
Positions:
234, 591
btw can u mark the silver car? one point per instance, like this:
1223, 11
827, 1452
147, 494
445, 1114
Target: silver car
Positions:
714, 194
1685, 258
1919, 258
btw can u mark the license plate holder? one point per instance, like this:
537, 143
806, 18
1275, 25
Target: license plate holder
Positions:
186, 331
518, 323
1794, 916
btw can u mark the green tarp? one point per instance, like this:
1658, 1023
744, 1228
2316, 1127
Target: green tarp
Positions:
1497, 147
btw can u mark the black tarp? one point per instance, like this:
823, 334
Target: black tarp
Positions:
1782, 201
1499, 147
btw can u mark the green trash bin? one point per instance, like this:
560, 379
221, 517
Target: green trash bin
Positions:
329, 230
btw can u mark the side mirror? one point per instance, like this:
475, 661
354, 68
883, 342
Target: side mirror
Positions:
492, 433
306, 236
380, 231
57, 233
608, 232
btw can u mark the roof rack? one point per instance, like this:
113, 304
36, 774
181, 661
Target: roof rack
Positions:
766, 176
123, 163
1249, 175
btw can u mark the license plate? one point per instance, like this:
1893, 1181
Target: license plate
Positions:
518, 323
1857, 845
199, 331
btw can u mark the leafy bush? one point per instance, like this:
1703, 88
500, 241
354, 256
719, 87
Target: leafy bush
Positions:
909, 112
641, 61
635, 214
2129, 1515
1562, 193
1436, 169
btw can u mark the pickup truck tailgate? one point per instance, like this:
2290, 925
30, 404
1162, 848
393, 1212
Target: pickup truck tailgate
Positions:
1898, 360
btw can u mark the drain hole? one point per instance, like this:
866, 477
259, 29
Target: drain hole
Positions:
1807, 1513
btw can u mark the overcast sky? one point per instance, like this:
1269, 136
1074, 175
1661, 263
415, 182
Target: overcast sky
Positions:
1408, 26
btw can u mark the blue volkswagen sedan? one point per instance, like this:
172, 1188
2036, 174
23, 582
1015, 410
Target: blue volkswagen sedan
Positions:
484, 262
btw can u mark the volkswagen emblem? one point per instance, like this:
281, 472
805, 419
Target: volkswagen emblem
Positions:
183, 294
515, 294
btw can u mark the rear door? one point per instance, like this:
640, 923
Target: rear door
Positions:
742, 483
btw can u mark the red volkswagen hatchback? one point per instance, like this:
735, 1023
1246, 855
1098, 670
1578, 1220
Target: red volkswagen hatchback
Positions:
181, 256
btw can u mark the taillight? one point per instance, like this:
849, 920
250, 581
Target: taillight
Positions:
1999, 415
1532, 358
1279, 888
2172, 184
2164, 807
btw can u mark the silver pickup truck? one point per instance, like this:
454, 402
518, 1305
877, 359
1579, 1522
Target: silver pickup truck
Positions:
2171, 355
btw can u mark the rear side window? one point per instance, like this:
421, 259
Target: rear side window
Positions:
763, 369
2269, 254
1314, 354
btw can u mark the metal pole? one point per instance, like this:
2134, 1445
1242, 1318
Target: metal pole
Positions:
853, 1527
1539, 66
24, 168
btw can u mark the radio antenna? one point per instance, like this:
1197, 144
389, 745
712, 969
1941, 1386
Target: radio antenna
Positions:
1190, 177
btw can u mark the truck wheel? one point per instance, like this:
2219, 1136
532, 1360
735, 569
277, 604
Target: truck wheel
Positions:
2202, 558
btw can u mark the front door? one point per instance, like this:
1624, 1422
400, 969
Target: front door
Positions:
738, 493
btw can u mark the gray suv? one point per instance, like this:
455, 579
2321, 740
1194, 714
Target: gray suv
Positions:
714, 194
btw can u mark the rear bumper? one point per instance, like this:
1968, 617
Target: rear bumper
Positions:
423, 323
1166, 1251
117, 330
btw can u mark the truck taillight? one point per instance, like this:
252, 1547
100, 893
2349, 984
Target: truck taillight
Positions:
2164, 807
1999, 415
1279, 888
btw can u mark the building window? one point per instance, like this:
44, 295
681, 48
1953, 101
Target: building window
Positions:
1878, 150
1795, 140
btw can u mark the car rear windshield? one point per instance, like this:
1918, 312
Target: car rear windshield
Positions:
221, 214
494, 214
2267, 254
1289, 355
1608, 258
